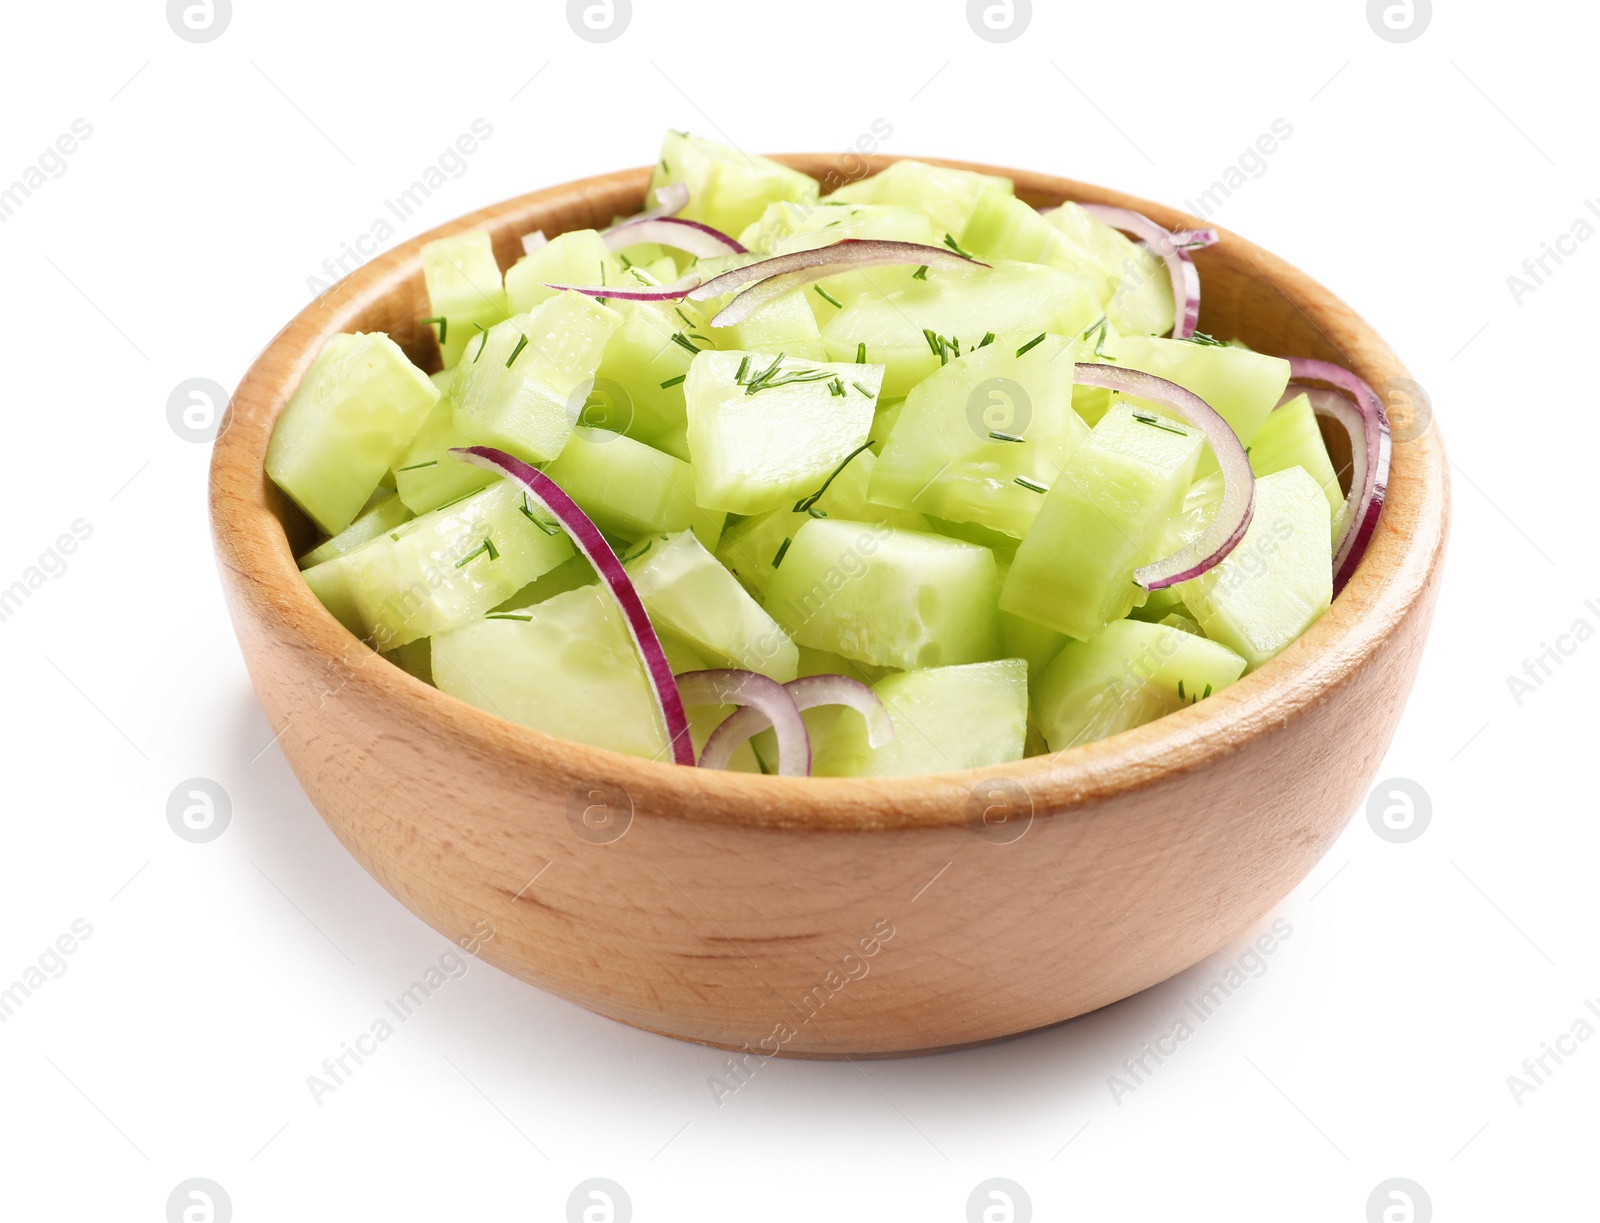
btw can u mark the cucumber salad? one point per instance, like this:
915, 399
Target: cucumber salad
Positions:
910, 477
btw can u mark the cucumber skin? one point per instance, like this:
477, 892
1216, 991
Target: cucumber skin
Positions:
382, 514
352, 416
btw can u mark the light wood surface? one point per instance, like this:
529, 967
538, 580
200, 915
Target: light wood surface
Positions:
736, 909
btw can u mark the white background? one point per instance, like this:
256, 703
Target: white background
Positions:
180, 238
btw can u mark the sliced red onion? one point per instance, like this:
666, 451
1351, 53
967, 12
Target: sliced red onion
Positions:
1173, 250
532, 242
691, 236
781, 274
588, 540
671, 199
674, 292
767, 699
808, 692
1359, 411
1232, 518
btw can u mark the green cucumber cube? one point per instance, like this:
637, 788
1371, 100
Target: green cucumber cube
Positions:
649, 365
687, 591
578, 257
971, 428
946, 196
1103, 518
728, 189
945, 719
383, 513
1127, 674
1015, 301
1141, 298
352, 416
1278, 580
566, 666
1290, 437
785, 325
753, 547
522, 384
447, 568
464, 288
428, 475
630, 489
757, 451
887, 597
1242, 386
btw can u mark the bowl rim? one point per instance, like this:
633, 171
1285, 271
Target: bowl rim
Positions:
1392, 580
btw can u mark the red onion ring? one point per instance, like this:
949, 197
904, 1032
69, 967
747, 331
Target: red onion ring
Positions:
674, 292
587, 539
1173, 250
808, 692
769, 701
1359, 411
691, 236
1234, 512
817, 263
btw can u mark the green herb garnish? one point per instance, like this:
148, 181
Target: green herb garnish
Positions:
444, 326
1033, 486
828, 297
861, 353
672, 382
921, 273
418, 466
782, 549
804, 506
1159, 422
683, 341
1004, 437
988, 339
956, 246
1206, 341
1031, 344
522, 342
486, 546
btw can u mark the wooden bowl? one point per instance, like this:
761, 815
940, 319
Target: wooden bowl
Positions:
829, 917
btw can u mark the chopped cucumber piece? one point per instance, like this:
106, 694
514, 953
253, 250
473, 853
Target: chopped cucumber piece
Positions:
521, 385
1127, 674
970, 429
570, 574
447, 568
945, 719
578, 257
566, 666
786, 325
766, 432
687, 590
428, 475
887, 597
645, 358
902, 327
383, 513
630, 489
1290, 437
946, 196
1279, 579
1242, 386
753, 547
1103, 518
352, 416
1141, 298
728, 188
464, 289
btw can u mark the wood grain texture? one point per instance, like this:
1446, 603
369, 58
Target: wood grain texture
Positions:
737, 910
